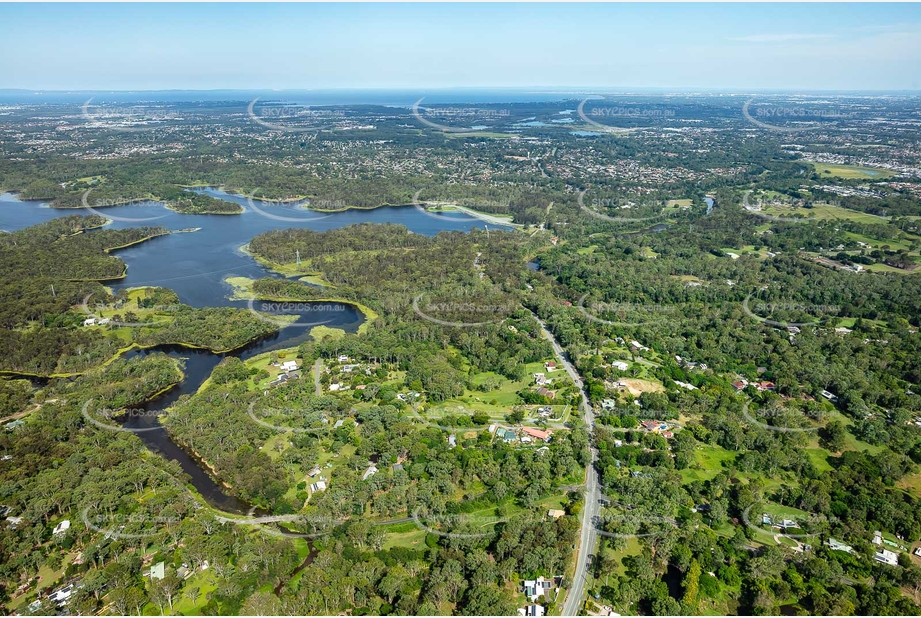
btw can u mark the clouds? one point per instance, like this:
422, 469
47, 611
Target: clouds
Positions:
783, 38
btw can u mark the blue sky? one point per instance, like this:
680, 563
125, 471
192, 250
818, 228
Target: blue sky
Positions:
709, 46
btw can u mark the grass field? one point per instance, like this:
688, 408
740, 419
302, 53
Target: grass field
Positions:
851, 172
821, 211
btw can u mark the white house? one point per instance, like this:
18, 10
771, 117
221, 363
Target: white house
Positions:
343, 358
62, 527
536, 588
887, 557
318, 486
289, 366
623, 366
89, 322
371, 471
839, 546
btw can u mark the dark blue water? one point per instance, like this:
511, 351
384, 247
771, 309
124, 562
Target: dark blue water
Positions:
195, 264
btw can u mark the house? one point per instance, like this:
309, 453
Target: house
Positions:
318, 486
686, 385
621, 365
877, 538
338, 424
739, 385
343, 358
608, 404
397, 467
540, 379
887, 557
158, 571
550, 366
555, 513
89, 322
314, 472
667, 435
533, 610
544, 392
793, 330
361, 387
13, 522
765, 386
537, 433
656, 426
349, 368
545, 411
829, 396
452, 440
639, 346
618, 443
289, 366
507, 434
537, 588
60, 596
61, 528
371, 471
917, 552
103, 321
336, 386
837, 545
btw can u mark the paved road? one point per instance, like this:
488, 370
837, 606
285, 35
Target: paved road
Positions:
588, 537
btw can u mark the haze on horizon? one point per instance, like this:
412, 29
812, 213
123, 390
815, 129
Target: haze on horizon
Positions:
285, 46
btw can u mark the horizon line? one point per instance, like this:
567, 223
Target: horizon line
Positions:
556, 89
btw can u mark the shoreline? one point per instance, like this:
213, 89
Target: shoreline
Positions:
241, 293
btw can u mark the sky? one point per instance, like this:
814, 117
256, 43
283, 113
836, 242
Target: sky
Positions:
304, 46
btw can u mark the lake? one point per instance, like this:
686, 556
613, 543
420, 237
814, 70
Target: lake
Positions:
195, 265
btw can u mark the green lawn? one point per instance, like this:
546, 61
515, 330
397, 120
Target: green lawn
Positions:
821, 211
206, 583
852, 172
